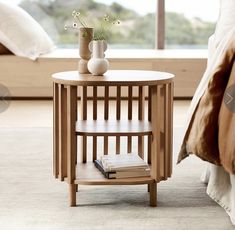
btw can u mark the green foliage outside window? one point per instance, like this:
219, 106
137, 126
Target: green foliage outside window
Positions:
135, 31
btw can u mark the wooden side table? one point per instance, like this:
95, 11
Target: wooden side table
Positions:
157, 126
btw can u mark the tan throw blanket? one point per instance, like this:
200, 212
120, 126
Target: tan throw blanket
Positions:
210, 133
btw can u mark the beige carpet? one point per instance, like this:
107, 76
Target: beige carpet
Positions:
30, 198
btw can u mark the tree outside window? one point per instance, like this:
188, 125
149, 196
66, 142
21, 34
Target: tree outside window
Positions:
185, 27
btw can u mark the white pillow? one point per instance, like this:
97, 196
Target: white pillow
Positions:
21, 34
226, 21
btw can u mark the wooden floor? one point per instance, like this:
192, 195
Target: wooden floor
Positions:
39, 114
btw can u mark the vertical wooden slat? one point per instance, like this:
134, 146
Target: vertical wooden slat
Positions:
118, 103
155, 151
130, 102
84, 148
106, 144
118, 145
170, 126
94, 148
106, 103
94, 118
55, 130
72, 141
149, 104
84, 102
149, 148
160, 25
118, 116
166, 131
158, 136
106, 116
62, 132
84, 117
149, 119
129, 138
141, 146
94, 102
141, 101
162, 131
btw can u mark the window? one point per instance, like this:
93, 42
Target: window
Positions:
189, 24
183, 24
137, 28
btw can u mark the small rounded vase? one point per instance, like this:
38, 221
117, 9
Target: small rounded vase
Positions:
98, 65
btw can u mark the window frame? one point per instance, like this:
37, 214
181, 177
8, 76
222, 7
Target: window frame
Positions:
160, 25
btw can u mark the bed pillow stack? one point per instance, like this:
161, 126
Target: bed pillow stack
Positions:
21, 34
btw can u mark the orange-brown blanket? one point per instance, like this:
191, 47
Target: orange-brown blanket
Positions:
211, 131
4, 50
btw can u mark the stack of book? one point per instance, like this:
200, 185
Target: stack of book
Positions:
122, 166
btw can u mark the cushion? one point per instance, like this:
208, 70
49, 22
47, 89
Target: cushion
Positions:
4, 50
21, 34
226, 20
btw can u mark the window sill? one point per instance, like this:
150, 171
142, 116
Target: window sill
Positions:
135, 54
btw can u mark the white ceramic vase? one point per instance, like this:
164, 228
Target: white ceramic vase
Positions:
98, 65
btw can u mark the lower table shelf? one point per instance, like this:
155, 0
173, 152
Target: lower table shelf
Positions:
88, 174
113, 128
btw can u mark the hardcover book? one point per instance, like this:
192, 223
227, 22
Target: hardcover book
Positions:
122, 166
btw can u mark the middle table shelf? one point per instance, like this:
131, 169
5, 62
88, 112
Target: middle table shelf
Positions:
113, 128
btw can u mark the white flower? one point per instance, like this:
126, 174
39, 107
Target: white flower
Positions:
106, 18
74, 13
75, 25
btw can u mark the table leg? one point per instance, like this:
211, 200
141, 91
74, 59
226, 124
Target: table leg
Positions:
153, 194
55, 131
72, 141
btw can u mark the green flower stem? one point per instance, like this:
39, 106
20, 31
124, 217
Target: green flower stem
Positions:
104, 26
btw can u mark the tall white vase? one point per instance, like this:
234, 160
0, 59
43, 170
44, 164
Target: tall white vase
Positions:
98, 65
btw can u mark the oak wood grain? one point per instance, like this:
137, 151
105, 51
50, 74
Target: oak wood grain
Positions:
55, 130
114, 78
141, 106
113, 128
130, 105
157, 126
118, 116
71, 141
62, 132
88, 174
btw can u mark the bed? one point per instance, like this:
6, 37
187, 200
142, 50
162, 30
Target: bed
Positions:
209, 129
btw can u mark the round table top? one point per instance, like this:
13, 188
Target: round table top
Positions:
114, 78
